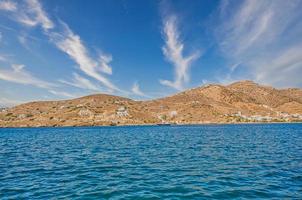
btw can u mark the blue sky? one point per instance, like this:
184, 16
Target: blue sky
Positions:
54, 49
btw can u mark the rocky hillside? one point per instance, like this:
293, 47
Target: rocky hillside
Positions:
243, 101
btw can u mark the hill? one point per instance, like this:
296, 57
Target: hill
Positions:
243, 101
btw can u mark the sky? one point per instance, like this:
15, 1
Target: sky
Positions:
59, 49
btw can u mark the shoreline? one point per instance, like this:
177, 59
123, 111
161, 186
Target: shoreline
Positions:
206, 105
153, 125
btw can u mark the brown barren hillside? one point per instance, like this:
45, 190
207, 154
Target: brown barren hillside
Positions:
243, 101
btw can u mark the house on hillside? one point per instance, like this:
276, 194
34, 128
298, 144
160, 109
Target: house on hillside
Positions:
122, 111
3, 109
85, 113
173, 113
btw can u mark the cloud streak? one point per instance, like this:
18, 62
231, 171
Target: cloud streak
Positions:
60, 93
265, 38
104, 61
8, 6
73, 46
173, 51
32, 14
18, 74
81, 82
5, 102
137, 91
29, 13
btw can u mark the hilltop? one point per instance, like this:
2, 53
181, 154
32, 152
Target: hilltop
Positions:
243, 101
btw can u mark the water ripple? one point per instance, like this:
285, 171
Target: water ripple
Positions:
178, 162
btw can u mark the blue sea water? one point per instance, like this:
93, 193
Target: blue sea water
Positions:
260, 161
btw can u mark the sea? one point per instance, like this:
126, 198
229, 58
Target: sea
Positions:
247, 161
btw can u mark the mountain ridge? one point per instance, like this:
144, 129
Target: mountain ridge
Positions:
243, 101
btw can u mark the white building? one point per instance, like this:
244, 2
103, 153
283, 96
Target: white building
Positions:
173, 113
122, 111
85, 113
3, 109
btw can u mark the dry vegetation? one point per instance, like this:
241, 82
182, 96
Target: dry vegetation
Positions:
243, 101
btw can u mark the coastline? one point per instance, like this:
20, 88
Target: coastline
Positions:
146, 125
237, 103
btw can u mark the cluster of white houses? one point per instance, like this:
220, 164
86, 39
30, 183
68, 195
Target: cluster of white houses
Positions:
122, 112
280, 116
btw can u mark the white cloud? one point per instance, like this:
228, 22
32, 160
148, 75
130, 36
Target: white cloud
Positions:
234, 67
104, 61
23, 40
17, 74
205, 82
173, 51
60, 93
81, 82
34, 15
5, 102
27, 41
72, 45
29, 13
282, 69
8, 5
137, 91
265, 38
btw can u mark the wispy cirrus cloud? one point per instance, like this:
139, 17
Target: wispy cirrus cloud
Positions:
73, 46
104, 61
137, 91
28, 12
265, 38
32, 14
173, 51
62, 94
18, 74
81, 82
8, 5
5, 102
